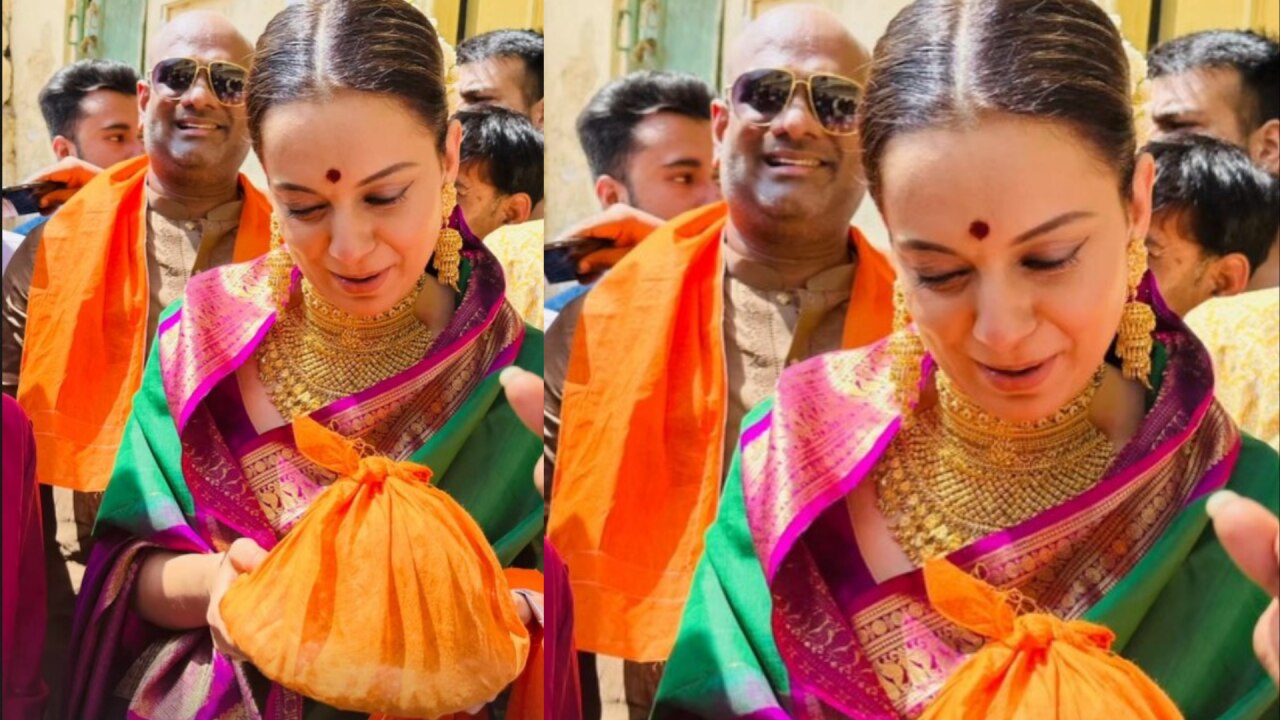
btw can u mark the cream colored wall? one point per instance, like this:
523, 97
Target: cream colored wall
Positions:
499, 14
579, 59
37, 43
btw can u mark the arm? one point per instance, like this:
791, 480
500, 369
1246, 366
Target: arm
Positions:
13, 314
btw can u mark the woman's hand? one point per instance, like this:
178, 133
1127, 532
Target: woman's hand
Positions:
243, 556
525, 393
1251, 536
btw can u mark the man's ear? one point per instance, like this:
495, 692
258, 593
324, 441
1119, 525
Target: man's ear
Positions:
1229, 275
1264, 146
63, 147
516, 208
610, 191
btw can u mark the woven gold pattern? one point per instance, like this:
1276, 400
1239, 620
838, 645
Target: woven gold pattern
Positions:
1134, 341
958, 473
905, 352
448, 255
318, 353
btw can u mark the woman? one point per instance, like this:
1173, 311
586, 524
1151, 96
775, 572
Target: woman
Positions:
1039, 427
24, 585
365, 316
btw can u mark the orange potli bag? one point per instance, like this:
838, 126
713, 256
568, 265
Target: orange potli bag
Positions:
385, 597
1034, 666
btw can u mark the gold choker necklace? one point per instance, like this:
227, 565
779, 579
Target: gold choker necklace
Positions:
318, 353
959, 473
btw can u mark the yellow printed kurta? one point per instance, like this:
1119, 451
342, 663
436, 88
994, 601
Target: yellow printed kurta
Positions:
519, 250
1243, 334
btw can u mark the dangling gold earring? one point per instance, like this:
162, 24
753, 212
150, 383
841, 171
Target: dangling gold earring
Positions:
905, 353
449, 246
1134, 341
279, 268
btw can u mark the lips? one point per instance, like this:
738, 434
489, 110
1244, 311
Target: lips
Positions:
1017, 378
363, 284
197, 125
792, 160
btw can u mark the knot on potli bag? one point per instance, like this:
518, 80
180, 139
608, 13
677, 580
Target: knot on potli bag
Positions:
384, 598
1035, 665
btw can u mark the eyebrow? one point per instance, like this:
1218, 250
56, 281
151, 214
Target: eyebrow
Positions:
692, 163
1033, 233
116, 126
372, 178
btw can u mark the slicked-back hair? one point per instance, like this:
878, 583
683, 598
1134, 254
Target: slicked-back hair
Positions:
60, 98
385, 47
1221, 198
506, 147
946, 63
607, 124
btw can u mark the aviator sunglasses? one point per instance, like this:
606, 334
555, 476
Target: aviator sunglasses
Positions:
173, 77
758, 96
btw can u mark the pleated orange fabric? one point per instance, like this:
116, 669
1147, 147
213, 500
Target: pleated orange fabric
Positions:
385, 598
86, 330
1034, 666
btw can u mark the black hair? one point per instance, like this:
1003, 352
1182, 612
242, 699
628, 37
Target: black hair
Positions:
944, 63
387, 47
60, 98
1255, 56
523, 44
606, 125
1222, 200
506, 147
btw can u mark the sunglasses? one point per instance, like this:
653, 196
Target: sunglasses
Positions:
759, 96
172, 78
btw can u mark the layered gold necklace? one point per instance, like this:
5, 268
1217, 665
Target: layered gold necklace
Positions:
958, 473
318, 353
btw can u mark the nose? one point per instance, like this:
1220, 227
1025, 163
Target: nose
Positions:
350, 239
200, 94
796, 119
1004, 315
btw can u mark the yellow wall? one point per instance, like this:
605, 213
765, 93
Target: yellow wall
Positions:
500, 14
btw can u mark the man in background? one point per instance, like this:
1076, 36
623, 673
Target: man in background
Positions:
1224, 83
502, 67
91, 110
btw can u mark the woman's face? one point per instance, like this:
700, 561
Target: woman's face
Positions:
356, 182
1010, 238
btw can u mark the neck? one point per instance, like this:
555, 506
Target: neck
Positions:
1268, 273
199, 198
795, 254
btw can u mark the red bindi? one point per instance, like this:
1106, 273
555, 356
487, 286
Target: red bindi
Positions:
333, 175
979, 229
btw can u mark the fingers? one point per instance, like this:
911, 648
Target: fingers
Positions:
72, 171
245, 555
1266, 640
1251, 536
621, 224
525, 393
601, 260
51, 201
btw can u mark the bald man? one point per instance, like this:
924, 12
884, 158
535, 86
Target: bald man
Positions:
693, 327
112, 258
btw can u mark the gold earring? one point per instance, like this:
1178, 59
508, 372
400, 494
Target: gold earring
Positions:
279, 268
449, 247
1134, 341
905, 353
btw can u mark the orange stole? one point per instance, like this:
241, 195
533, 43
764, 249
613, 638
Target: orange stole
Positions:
87, 320
639, 468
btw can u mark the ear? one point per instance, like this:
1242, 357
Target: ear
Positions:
535, 114
1264, 146
611, 192
516, 208
719, 123
452, 151
144, 97
63, 147
1144, 178
1229, 275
